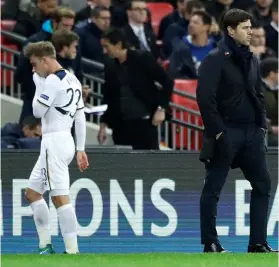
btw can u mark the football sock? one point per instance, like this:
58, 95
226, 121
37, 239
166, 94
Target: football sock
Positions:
68, 225
42, 221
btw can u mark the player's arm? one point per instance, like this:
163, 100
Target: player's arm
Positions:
43, 100
80, 126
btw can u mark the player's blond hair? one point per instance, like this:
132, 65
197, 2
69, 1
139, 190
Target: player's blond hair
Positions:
39, 49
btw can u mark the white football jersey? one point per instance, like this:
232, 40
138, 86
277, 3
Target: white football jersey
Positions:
61, 92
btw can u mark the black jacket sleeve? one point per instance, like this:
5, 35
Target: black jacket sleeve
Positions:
260, 96
208, 82
160, 77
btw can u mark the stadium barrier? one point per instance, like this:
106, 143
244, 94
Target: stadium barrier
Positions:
129, 202
182, 133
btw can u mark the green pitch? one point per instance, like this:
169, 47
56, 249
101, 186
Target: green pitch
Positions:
142, 260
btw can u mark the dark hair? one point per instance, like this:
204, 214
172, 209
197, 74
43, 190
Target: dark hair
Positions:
206, 18
256, 24
234, 17
129, 4
95, 12
114, 36
31, 122
268, 65
193, 4
63, 37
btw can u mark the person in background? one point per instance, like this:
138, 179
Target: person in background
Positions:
30, 128
29, 22
66, 45
90, 34
261, 12
136, 105
269, 73
258, 43
63, 18
193, 48
271, 29
171, 18
176, 31
137, 32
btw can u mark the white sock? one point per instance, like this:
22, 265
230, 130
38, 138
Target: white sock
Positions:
42, 221
68, 225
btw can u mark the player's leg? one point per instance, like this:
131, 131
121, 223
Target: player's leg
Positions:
67, 220
34, 192
59, 180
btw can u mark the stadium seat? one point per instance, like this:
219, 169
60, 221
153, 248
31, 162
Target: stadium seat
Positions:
188, 86
7, 58
158, 11
7, 25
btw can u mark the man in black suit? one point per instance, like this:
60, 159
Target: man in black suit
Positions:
232, 107
136, 105
138, 33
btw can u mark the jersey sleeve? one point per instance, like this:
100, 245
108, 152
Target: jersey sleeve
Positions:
50, 90
80, 104
43, 100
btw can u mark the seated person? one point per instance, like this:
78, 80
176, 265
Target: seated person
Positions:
30, 128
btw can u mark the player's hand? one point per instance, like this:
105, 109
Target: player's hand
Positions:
82, 161
159, 117
102, 134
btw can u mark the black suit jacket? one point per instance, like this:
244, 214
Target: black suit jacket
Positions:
220, 86
135, 43
144, 73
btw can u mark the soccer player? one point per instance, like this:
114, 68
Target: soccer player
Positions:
58, 102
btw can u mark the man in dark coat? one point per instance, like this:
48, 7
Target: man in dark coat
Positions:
232, 107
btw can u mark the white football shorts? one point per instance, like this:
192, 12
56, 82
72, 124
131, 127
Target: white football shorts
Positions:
51, 170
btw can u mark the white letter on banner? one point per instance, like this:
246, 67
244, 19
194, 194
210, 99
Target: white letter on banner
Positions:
117, 197
273, 217
164, 207
18, 210
97, 206
241, 208
1, 209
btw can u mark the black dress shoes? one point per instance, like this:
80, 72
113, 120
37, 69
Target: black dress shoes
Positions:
214, 248
261, 248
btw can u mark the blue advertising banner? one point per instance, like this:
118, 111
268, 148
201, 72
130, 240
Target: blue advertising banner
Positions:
131, 202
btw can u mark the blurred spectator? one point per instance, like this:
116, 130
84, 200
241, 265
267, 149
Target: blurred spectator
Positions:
66, 46
269, 72
176, 31
272, 29
258, 43
171, 18
62, 18
117, 10
261, 12
29, 22
90, 35
12, 132
136, 106
138, 33
193, 48
218, 8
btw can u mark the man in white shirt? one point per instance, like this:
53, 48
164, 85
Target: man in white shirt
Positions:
58, 102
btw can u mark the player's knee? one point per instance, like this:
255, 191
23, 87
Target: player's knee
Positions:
59, 201
32, 196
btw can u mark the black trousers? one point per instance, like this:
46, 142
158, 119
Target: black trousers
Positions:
248, 147
140, 134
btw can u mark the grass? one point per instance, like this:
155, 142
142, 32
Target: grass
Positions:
142, 260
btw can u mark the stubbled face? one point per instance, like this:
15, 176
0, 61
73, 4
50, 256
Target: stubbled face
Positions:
258, 37
110, 49
242, 34
35, 132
